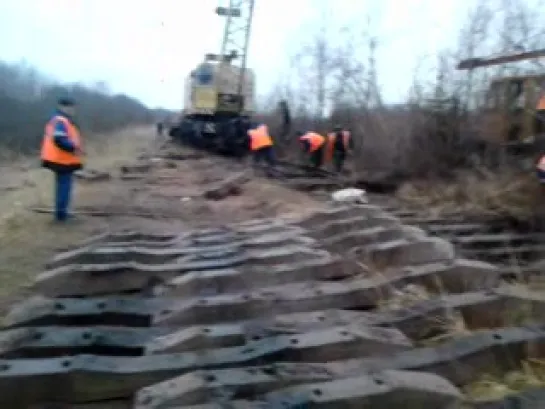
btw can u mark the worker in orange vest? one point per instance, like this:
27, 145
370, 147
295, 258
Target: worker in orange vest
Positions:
540, 169
62, 153
339, 143
313, 145
261, 145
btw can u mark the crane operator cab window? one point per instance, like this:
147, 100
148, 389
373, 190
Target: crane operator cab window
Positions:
204, 74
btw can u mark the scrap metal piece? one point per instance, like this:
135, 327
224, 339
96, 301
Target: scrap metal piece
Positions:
103, 278
114, 311
390, 389
41, 342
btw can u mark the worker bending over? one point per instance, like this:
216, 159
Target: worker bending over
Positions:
339, 143
540, 169
261, 146
61, 153
313, 144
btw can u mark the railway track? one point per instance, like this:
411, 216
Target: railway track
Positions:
277, 313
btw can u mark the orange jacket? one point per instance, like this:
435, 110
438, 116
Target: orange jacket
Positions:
54, 157
259, 138
315, 140
331, 137
541, 104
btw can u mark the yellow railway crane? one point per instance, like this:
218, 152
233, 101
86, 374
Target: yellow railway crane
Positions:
219, 94
508, 117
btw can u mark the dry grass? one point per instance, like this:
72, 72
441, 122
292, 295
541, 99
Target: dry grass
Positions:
480, 193
494, 387
28, 239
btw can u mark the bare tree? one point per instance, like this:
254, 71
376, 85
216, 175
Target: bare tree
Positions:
27, 98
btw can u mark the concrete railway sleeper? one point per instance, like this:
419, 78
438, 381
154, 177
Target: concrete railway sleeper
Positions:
269, 314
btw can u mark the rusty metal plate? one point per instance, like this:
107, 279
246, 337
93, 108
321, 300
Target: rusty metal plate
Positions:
352, 339
409, 251
86, 378
387, 389
335, 227
147, 253
234, 280
315, 296
397, 389
74, 279
115, 311
40, 342
269, 301
320, 218
359, 239
463, 359
236, 334
455, 276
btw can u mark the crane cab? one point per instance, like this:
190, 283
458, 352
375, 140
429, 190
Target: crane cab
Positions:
219, 88
218, 97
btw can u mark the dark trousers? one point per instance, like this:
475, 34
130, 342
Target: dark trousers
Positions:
539, 122
266, 155
541, 175
338, 160
317, 157
63, 193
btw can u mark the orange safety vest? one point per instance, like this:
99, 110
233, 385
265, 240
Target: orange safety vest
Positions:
51, 154
259, 138
541, 164
541, 104
315, 139
331, 143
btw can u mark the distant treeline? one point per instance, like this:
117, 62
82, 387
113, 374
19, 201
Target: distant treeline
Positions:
27, 99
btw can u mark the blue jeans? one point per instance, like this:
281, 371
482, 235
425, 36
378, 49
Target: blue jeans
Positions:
63, 192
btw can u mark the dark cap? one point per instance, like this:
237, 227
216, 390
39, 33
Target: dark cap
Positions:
66, 102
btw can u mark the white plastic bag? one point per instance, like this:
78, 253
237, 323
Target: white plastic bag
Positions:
350, 195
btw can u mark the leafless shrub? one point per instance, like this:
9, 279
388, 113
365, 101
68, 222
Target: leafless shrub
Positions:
27, 99
438, 129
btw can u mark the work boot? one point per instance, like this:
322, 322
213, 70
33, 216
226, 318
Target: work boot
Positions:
69, 219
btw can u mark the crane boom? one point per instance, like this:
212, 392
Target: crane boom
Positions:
472, 63
236, 35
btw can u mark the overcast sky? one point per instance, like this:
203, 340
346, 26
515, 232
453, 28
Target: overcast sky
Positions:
145, 48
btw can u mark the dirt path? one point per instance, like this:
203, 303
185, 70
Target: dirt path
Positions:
144, 191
